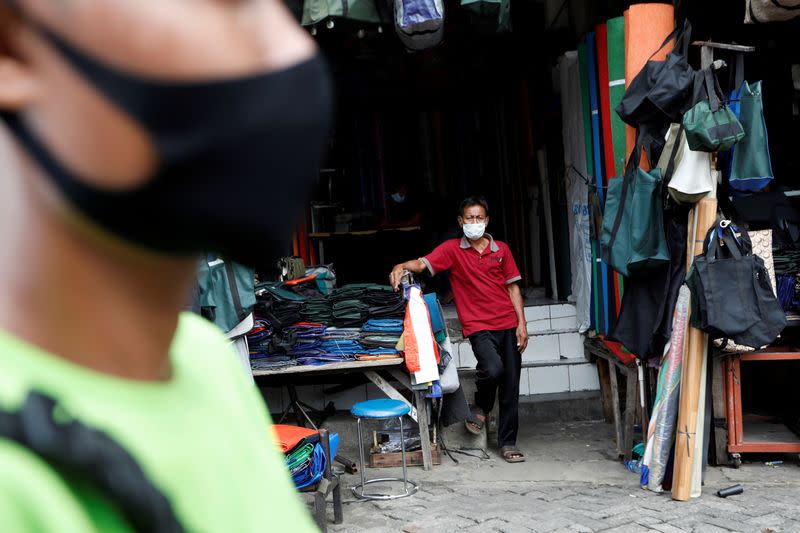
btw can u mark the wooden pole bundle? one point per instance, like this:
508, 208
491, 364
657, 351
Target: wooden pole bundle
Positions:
705, 214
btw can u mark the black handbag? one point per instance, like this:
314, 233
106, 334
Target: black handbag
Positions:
732, 297
661, 91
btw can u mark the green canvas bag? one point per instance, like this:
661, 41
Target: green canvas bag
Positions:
710, 125
751, 166
632, 239
227, 292
372, 11
499, 10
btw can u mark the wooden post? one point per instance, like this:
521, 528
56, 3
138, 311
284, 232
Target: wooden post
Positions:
705, 215
720, 429
612, 372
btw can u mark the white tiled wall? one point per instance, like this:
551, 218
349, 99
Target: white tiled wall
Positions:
538, 312
549, 379
538, 326
583, 377
570, 345
524, 382
563, 323
541, 348
465, 355
562, 310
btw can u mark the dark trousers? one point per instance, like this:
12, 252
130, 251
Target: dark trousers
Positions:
499, 368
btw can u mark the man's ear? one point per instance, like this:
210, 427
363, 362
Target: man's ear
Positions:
18, 83
487, 220
460, 220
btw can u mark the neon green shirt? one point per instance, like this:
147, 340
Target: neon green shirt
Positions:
202, 439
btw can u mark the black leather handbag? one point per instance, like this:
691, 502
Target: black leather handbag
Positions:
662, 90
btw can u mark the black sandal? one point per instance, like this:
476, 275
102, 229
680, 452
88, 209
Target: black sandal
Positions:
474, 424
512, 454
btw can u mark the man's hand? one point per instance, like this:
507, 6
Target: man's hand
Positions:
396, 275
522, 337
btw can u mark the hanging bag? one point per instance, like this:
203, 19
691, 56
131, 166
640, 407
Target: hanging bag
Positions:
227, 292
686, 172
632, 238
731, 291
419, 23
762, 247
751, 166
660, 92
497, 11
710, 125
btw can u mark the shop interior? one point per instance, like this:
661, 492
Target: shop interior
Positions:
481, 114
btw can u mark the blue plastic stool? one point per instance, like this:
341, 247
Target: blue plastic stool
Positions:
384, 409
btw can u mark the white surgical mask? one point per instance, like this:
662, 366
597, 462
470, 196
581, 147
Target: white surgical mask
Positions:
474, 232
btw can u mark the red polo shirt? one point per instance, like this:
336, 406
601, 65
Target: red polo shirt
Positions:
480, 283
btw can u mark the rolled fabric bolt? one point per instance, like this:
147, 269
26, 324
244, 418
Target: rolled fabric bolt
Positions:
730, 491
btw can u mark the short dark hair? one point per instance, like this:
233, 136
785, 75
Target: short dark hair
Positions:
471, 201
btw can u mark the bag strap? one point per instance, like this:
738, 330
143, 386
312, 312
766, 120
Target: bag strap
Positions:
630, 169
713, 89
675, 147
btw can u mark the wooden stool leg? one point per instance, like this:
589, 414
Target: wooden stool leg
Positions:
604, 378
632, 389
612, 374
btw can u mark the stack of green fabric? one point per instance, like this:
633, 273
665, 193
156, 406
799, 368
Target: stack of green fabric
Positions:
349, 313
318, 311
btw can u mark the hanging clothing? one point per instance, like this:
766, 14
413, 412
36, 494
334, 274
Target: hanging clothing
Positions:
644, 325
422, 353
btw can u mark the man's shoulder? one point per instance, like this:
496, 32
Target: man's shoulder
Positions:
502, 246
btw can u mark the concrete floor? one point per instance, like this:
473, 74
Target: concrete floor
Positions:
571, 481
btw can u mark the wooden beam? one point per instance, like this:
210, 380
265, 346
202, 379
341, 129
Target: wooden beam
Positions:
390, 391
725, 46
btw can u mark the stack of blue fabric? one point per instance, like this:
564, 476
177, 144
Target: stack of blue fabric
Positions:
383, 325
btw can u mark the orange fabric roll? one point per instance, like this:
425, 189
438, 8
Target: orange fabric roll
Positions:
646, 27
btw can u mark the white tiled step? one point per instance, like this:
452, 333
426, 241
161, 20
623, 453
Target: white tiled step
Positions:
545, 348
543, 318
565, 376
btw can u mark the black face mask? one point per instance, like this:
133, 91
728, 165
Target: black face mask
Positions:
236, 158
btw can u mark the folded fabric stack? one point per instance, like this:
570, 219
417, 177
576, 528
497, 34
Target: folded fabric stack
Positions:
349, 313
305, 458
334, 333
319, 310
293, 328
272, 362
388, 326
384, 302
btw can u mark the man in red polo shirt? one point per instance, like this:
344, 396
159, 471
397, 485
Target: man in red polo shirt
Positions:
489, 303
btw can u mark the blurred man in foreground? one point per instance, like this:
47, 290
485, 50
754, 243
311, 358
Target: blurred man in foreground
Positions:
134, 136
